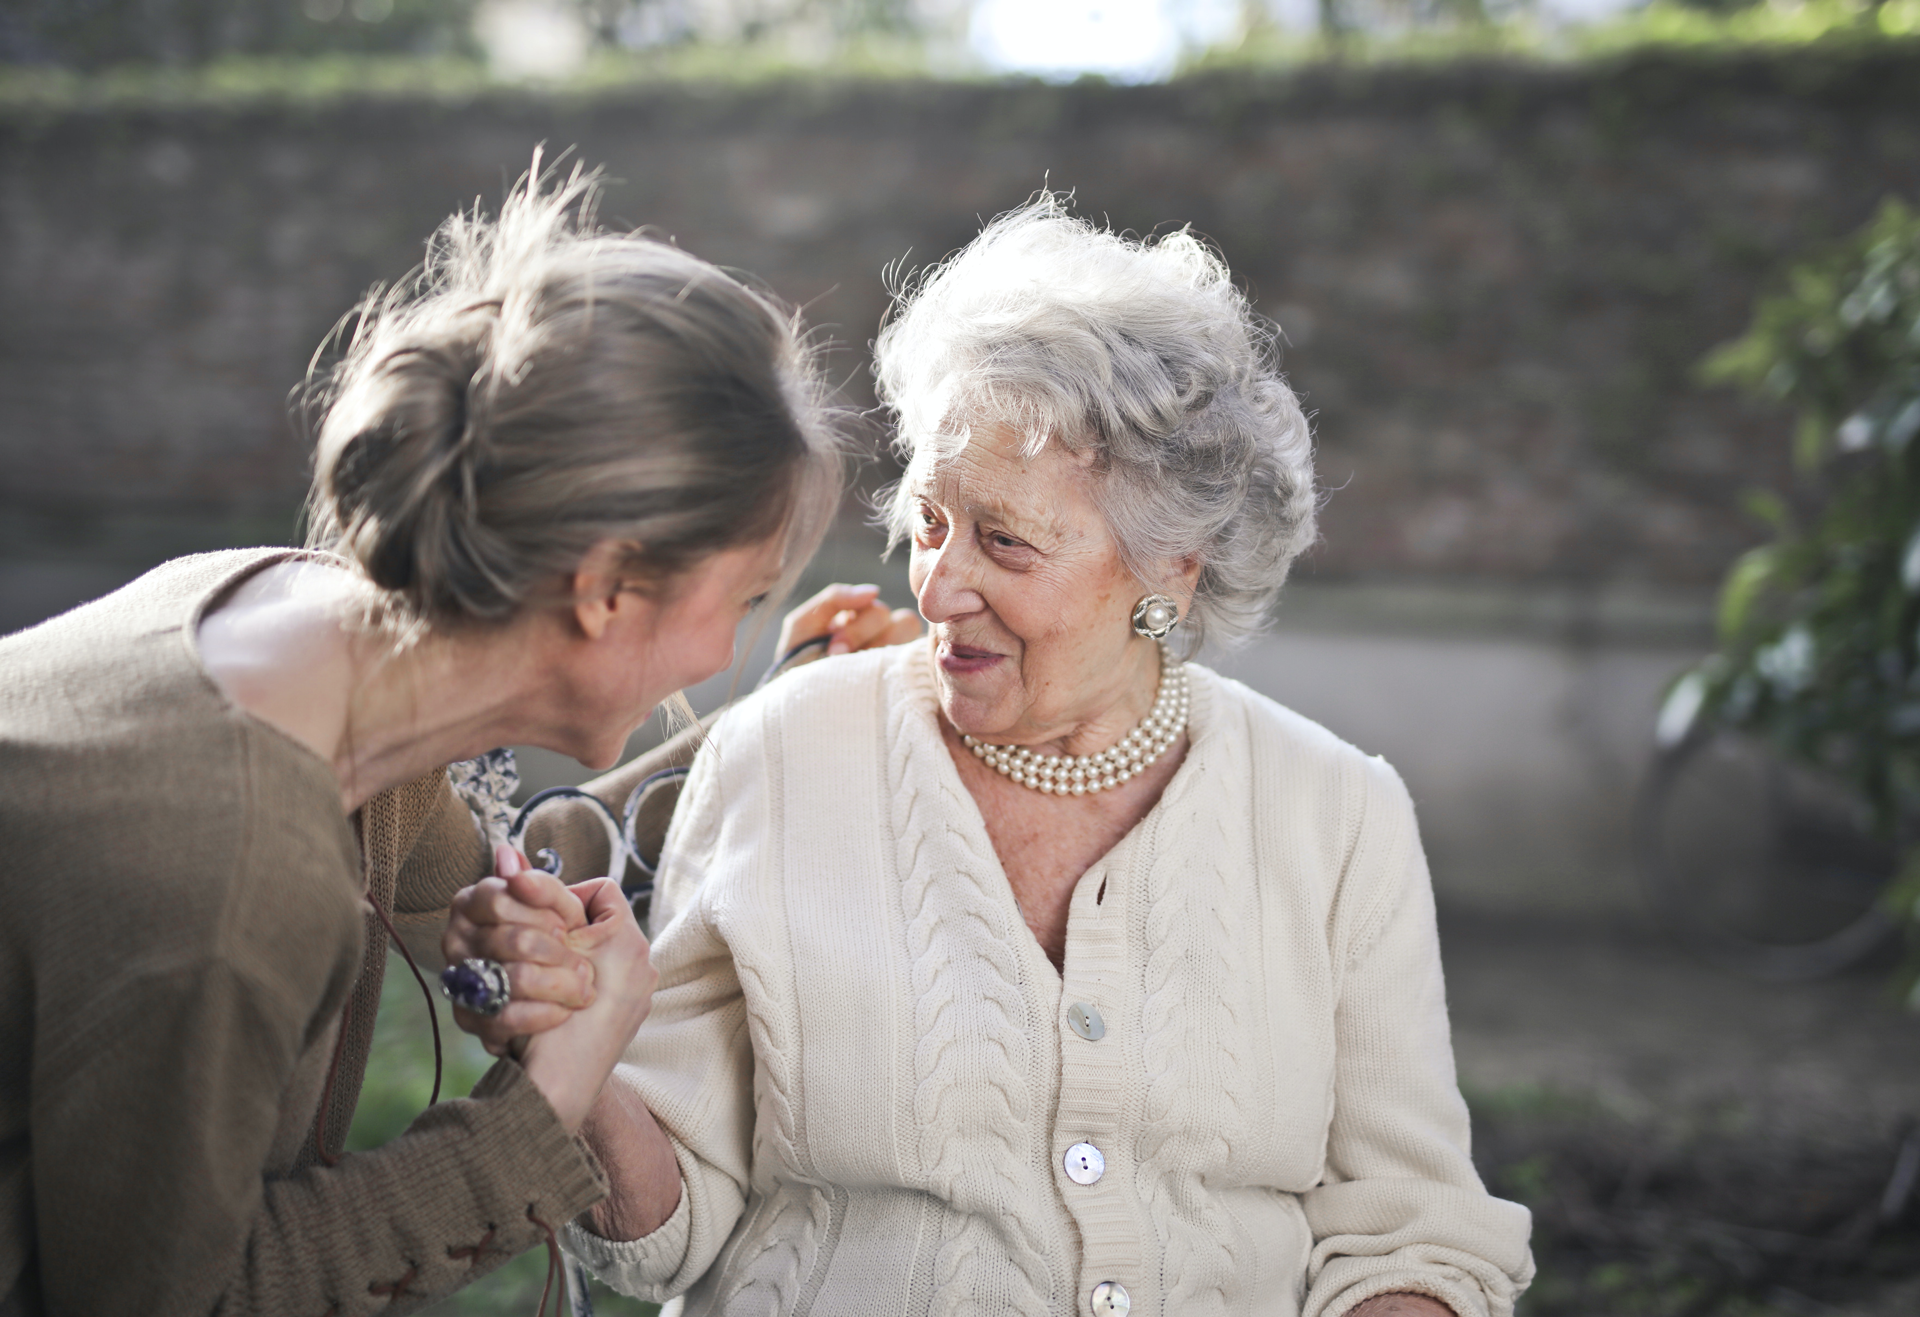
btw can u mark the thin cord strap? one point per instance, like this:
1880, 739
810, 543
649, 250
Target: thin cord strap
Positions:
554, 1263
433, 1015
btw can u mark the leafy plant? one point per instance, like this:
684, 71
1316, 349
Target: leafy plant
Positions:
1819, 629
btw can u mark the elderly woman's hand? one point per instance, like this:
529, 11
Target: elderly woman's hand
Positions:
580, 969
852, 617
570, 1063
528, 921
1400, 1305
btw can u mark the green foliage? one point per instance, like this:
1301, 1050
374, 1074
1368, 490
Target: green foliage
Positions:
1678, 23
1820, 628
271, 80
118, 38
1843, 345
57, 55
1465, 29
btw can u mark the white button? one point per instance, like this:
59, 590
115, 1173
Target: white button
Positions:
1110, 1299
1085, 1163
1084, 1019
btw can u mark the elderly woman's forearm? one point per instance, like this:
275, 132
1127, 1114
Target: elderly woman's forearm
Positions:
1400, 1304
643, 1176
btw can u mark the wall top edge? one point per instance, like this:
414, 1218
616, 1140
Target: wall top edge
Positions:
1886, 73
1625, 612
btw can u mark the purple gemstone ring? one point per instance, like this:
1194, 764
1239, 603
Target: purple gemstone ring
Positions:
479, 986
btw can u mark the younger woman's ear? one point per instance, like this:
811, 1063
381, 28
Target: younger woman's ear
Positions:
598, 584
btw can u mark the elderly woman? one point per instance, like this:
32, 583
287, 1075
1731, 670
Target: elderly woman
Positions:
1032, 969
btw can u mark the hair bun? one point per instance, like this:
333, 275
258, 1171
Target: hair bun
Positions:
400, 489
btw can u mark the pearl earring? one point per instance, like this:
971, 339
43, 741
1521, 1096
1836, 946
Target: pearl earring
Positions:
1155, 615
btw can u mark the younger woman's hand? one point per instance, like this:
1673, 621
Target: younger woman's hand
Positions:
526, 919
852, 617
570, 1062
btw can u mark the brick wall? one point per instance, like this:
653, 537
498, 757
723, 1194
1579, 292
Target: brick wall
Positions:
1494, 279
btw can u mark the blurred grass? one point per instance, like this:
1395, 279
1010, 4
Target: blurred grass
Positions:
399, 1081
326, 79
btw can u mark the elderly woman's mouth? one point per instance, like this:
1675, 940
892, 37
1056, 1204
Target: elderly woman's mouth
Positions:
965, 658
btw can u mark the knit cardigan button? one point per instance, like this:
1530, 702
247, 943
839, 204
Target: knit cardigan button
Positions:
1110, 1299
1084, 1019
1085, 1163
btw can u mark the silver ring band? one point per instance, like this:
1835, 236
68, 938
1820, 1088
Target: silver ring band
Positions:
479, 986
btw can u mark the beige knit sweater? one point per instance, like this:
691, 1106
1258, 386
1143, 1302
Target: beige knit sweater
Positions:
867, 1068
183, 918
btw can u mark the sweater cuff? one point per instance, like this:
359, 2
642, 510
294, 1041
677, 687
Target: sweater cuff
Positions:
1466, 1300
562, 1176
636, 1266
1375, 1236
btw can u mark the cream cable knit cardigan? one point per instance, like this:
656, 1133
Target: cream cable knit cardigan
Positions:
864, 1063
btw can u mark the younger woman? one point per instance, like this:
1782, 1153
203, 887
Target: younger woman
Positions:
551, 477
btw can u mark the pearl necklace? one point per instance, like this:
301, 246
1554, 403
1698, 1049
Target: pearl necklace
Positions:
1080, 775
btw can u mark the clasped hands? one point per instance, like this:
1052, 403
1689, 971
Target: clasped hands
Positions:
578, 968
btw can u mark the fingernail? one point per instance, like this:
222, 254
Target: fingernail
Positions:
837, 647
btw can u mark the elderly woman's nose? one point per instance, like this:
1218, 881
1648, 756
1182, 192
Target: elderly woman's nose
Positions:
947, 590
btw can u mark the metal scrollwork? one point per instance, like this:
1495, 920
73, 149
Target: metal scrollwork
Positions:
622, 845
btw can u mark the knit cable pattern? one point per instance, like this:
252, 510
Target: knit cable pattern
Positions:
1199, 1022
971, 1096
792, 1215
787, 1226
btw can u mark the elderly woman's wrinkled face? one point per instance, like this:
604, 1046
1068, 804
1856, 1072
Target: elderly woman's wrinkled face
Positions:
1029, 601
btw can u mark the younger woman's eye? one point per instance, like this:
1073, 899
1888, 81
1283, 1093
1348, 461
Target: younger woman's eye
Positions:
755, 602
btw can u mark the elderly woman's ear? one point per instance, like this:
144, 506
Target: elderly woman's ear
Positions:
1187, 574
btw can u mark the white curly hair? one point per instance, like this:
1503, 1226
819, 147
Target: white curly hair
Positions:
1142, 354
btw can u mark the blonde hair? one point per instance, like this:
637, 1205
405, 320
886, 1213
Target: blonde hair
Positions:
540, 386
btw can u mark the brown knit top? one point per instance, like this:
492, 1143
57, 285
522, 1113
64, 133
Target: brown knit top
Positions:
183, 926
